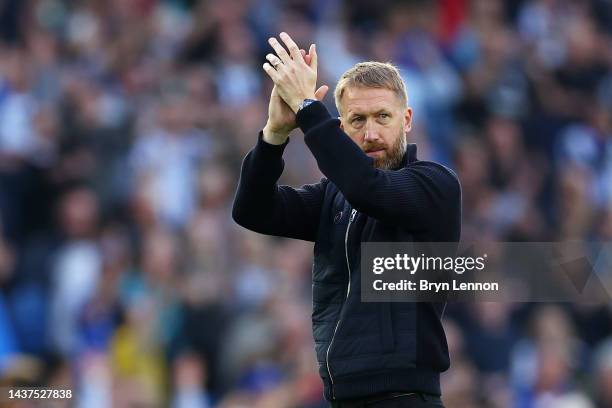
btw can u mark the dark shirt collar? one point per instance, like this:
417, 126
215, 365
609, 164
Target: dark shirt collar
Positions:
410, 155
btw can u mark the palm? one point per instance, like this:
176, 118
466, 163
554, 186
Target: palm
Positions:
281, 118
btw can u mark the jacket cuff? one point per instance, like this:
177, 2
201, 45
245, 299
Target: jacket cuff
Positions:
268, 148
312, 115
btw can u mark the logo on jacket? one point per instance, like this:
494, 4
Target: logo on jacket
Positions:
338, 217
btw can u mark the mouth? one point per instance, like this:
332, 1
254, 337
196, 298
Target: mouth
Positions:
378, 152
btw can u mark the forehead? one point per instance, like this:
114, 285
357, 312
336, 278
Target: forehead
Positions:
364, 100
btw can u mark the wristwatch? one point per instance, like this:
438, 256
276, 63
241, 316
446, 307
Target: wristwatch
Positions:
305, 103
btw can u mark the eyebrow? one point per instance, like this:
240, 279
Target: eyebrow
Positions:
382, 110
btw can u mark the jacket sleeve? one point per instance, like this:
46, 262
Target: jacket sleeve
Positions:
418, 196
263, 206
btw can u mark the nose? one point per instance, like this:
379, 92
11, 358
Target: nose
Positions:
371, 134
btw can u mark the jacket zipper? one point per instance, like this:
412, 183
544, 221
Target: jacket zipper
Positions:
348, 291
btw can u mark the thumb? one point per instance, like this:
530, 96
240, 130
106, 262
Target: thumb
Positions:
306, 57
312, 51
321, 92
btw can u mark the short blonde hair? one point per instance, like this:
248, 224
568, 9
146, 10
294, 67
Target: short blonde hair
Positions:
372, 74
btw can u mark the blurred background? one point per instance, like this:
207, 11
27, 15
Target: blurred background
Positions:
122, 127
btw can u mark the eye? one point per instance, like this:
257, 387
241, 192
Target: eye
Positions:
356, 119
384, 116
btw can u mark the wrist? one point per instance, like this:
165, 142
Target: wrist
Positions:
274, 137
295, 104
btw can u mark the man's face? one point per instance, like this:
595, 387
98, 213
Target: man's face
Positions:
377, 121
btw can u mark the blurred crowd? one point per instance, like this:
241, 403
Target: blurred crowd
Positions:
122, 127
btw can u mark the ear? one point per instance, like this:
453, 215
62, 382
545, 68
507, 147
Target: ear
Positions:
341, 122
408, 119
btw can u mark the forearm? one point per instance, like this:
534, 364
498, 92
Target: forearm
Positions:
263, 206
261, 168
337, 156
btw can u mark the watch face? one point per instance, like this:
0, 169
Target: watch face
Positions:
306, 103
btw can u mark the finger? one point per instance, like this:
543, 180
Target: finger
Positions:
274, 61
305, 56
271, 72
294, 50
312, 51
280, 50
321, 92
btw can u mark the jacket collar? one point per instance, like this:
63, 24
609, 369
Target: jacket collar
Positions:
410, 155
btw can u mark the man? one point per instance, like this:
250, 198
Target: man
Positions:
375, 189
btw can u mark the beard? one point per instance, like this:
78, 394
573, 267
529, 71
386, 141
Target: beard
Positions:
392, 157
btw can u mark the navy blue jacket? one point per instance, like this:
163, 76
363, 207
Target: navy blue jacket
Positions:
362, 348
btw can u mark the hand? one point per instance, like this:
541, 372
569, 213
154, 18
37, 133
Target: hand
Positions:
294, 78
281, 119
